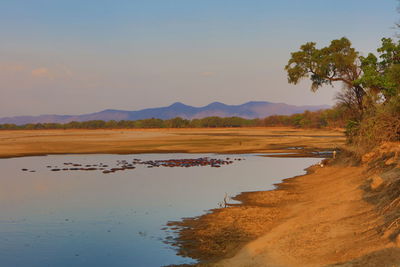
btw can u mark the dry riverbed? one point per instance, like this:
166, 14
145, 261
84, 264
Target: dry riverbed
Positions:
220, 140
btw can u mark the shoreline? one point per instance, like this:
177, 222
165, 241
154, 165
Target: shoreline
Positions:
271, 203
301, 154
323, 218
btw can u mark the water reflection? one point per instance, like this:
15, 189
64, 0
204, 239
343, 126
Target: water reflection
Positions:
94, 219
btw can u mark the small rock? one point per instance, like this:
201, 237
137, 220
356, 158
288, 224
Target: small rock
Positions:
368, 157
376, 182
390, 161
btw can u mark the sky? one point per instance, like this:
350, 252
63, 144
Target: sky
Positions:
74, 56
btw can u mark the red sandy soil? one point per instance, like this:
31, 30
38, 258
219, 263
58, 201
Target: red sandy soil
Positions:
339, 214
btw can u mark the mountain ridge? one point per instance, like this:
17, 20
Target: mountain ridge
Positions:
249, 110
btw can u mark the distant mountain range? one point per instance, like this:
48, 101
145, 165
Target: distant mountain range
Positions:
250, 110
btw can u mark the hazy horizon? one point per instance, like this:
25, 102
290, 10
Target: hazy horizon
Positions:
280, 112
74, 57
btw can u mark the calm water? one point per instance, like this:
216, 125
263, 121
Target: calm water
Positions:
76, 218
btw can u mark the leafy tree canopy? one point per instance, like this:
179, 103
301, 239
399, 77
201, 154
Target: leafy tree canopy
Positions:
382, 75
367, 80
336, 62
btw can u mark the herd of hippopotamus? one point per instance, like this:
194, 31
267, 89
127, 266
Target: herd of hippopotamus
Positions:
125, 165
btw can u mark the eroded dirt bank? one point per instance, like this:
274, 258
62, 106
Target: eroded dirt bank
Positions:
345, 213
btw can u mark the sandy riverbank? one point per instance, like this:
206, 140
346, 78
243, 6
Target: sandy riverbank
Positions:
220, 140
329, 217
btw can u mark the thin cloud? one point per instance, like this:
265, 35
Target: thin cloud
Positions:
41, 73
207, 73
57, 72
11, 67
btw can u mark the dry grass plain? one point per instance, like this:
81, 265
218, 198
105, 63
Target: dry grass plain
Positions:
125, 141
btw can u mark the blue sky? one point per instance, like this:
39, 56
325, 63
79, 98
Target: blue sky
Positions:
71, 57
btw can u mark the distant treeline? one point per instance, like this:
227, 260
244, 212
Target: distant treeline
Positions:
334, 117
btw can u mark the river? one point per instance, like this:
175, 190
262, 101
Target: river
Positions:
88, 218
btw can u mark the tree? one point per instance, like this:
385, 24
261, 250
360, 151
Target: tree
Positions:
338, 62
368, 81
177, 122
382, 75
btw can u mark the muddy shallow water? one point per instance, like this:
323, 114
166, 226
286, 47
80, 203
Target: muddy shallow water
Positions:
87, 218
